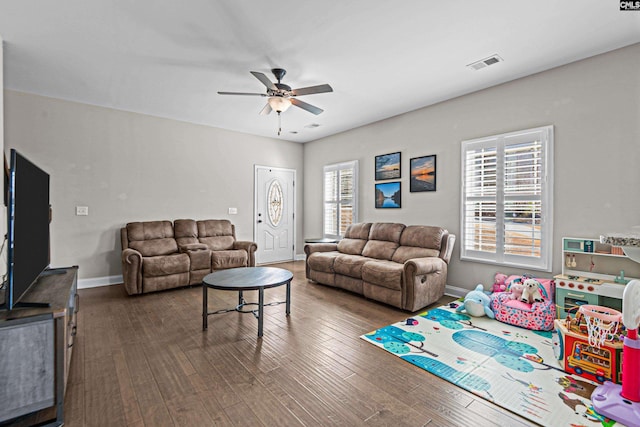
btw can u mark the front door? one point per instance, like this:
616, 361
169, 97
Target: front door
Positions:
274, 214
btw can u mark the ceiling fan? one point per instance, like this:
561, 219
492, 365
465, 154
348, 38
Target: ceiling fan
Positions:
281, 96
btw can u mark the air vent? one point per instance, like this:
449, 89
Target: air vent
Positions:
483, 63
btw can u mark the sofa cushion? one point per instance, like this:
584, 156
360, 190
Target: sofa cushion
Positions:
378, 249
165, 265
322, 261
221, 260
404, 253
351, 246
152, 238
149, 230
358, 231
156, 247
422, 236
383, 273
383, 240
217, 234
386, 231
355, 237
418, 241
349, 265
185, 231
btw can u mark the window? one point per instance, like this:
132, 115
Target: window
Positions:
340, 198
507, 199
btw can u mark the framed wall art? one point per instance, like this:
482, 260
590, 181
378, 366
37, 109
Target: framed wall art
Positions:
388, 166
388, 195
422, 176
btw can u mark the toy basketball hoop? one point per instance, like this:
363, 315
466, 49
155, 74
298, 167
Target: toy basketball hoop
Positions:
602, 323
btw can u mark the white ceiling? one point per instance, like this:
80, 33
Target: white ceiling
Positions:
169, 58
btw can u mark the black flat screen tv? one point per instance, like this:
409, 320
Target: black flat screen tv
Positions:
28, 227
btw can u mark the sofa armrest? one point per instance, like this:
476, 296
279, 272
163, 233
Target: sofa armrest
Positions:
420, 266
250, 247
132, 271
446, 249
310, 248
425, 280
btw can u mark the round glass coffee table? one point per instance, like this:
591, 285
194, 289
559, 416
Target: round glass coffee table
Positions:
246, 279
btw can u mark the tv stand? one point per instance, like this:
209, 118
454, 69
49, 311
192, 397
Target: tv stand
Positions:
50, 271
31, 305
41, 337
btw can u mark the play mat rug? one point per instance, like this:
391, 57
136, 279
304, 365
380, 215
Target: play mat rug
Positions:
468, 352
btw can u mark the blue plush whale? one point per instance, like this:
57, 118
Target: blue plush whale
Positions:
477, 303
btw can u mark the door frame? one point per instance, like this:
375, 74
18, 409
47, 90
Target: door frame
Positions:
255, 204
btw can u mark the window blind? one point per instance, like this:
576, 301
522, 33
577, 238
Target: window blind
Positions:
340, 198
507, 199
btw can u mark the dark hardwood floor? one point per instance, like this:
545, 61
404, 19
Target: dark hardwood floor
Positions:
145, 361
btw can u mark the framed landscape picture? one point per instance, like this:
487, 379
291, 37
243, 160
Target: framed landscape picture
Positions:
388, 166
422, 174
388, 195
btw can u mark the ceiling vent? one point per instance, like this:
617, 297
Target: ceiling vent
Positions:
484, 63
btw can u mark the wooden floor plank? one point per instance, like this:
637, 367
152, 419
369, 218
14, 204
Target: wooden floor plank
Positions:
145, 361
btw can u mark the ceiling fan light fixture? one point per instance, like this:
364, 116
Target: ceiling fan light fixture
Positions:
279, 104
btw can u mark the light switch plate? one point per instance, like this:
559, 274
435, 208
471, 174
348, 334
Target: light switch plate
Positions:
233, 211
82, 210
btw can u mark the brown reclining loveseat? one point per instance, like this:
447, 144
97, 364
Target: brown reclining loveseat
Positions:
158, 255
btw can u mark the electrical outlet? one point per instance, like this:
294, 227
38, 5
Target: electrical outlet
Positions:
233, 211
82, 210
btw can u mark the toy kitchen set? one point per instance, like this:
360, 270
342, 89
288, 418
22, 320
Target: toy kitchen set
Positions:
595, 272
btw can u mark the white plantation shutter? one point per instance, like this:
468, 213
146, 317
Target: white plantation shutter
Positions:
507, 205
340, 198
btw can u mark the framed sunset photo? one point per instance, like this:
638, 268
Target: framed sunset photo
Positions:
422, 174
388, 166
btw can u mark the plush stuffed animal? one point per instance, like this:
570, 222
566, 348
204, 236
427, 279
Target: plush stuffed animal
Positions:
531, 292
477, 303
516, 289
499, 284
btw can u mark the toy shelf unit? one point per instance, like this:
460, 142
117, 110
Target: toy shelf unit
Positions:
593, 273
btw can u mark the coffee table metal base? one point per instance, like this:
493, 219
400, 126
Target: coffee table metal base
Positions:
242, 303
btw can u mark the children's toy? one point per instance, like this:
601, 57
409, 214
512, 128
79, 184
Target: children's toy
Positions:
476, 303
622, 403
594, 355
531, 291
538, 316
516, 291
499, 284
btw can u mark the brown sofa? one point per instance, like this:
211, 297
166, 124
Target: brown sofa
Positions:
158, 255
403, 266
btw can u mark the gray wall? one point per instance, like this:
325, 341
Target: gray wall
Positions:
129, 167
594, 106
132, 167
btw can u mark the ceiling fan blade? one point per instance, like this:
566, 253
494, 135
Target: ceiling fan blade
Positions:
265, 80
310, 108
266, 110
312, 89
242, 93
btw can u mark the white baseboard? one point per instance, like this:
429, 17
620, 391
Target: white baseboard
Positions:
300, 257
99, 281
455, 291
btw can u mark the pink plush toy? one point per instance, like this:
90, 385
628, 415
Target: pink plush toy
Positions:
498, 283
516, 289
